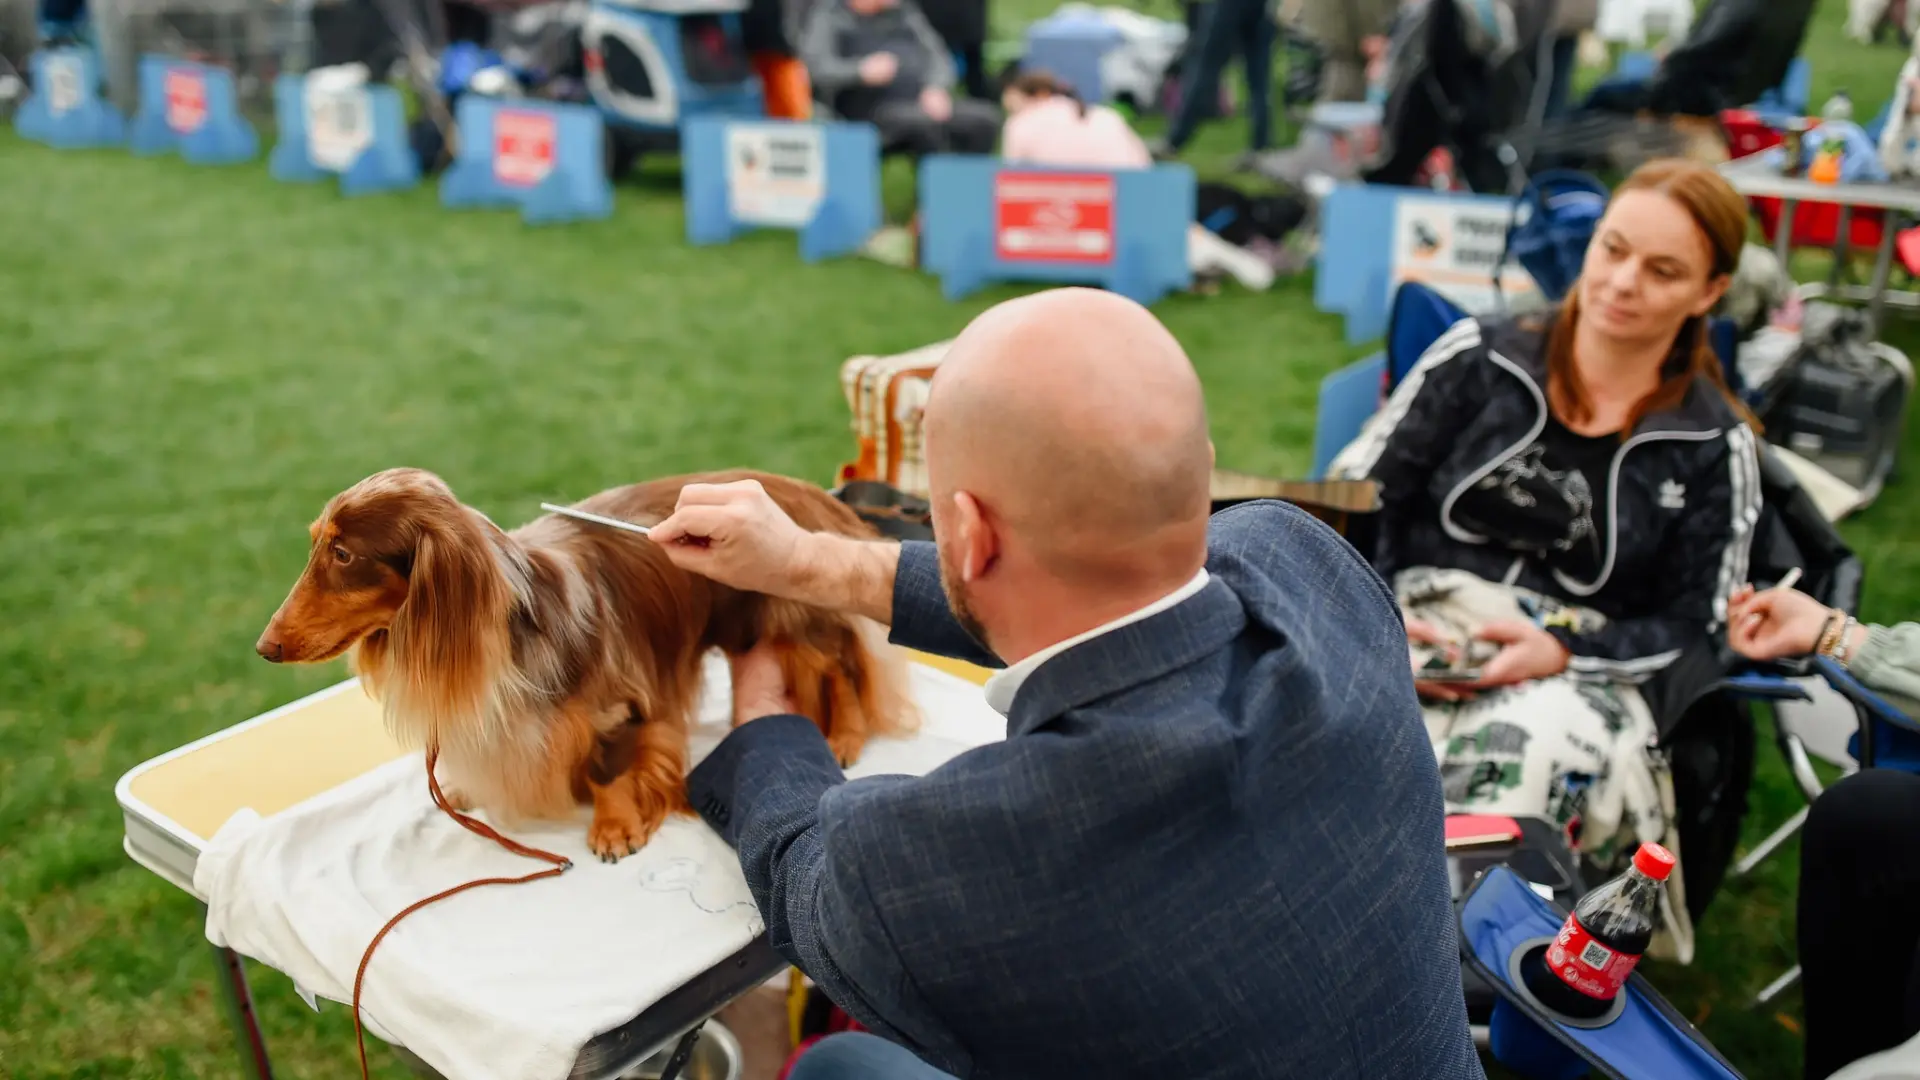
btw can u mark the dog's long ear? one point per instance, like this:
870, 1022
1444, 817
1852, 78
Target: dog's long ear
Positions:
449, 644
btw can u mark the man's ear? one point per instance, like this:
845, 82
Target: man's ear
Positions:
977, 546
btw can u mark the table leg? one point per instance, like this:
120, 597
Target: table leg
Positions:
1842, 247
1882, 270
681, 1052
1783, 239
237, 997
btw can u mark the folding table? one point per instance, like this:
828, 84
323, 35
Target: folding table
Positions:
174, 804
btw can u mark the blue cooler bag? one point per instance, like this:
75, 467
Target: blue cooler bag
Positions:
1501, 918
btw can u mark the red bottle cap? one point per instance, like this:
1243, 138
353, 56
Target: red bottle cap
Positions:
1654, 861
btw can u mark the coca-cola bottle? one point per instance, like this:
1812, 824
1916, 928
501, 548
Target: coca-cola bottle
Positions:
1580, 972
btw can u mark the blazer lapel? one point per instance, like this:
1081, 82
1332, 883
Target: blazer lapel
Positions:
1134, 654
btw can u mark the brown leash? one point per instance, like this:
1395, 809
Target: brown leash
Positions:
561, 865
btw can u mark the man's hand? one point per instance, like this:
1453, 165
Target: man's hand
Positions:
878, 69
759, 684
1529, 653
1774, 624
1425, 633
937, 104
737, 535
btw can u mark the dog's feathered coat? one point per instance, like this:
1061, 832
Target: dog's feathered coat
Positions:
560, 663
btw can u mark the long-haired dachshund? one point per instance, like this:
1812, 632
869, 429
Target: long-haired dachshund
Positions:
560, 663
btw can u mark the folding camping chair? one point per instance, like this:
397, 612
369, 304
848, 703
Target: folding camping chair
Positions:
1887, 738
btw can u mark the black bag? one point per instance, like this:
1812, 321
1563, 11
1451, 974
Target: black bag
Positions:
1842, 401
898, 515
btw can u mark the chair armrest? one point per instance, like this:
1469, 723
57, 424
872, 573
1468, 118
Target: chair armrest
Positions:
1765, 685
1854, 690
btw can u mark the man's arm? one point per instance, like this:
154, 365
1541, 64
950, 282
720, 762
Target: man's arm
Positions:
819, 51
940, 71
737, 535
767, 789
895, 584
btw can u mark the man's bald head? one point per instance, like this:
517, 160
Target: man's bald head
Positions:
1077, 422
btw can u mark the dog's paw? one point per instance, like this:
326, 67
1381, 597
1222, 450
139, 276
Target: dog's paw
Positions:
614, 837
846, 748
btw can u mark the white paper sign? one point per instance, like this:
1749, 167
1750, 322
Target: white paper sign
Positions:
1452, 247
776, 173
339, 116
64, 89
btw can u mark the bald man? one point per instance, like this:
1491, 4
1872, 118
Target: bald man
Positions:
1211, 843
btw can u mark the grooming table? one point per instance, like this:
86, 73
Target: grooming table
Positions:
174, 804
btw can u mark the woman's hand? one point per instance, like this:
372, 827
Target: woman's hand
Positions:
1527, 652
1425, 633
1774, 624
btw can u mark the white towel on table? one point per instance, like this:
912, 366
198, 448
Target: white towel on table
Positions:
507, 981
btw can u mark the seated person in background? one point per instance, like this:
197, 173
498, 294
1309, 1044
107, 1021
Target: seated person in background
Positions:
1047, 124
1860, 851
879, 61
1572, 498
1210, 845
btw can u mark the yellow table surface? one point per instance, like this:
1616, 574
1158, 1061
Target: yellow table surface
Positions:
290, 755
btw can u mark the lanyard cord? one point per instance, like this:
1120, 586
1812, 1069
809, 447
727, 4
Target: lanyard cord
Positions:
560, 865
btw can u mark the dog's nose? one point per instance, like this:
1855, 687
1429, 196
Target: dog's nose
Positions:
268, 648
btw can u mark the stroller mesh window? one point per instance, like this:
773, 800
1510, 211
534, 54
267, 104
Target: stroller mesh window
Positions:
624, 69
713, 56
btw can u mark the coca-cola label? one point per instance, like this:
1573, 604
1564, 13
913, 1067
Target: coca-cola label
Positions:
1587, 965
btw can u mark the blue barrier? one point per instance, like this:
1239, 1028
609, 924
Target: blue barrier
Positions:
1125, 230
546, 158
1375, 236
1073, 45
65, 109
822, 180
1348, 397
358, 133
192, 109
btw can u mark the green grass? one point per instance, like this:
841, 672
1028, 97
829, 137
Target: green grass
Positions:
193, 360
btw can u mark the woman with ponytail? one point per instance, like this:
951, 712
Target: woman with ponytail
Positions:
1567, 506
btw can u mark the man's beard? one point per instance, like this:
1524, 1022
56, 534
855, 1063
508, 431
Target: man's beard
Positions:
957, 601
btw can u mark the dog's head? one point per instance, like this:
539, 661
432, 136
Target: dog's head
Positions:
394, 552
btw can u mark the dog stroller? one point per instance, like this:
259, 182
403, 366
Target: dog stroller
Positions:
1467, 76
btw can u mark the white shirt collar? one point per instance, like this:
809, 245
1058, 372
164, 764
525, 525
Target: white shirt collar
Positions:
1002, 685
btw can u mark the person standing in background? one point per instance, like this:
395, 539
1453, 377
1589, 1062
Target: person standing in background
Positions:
1228, 28
1350, 33
1572, 18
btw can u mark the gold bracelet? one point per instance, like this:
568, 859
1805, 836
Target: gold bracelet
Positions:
1829, 634
1843, 648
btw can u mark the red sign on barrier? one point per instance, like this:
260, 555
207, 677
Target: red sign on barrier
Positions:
523, 147
186, 92
1053, 217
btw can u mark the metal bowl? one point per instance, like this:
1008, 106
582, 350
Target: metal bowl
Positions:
716, 1056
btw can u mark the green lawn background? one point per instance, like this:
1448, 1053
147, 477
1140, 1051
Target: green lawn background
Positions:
192, 360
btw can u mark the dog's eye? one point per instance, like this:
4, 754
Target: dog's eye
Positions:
342, 555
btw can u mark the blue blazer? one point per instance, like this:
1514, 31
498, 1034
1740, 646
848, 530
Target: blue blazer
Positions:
1211, 845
